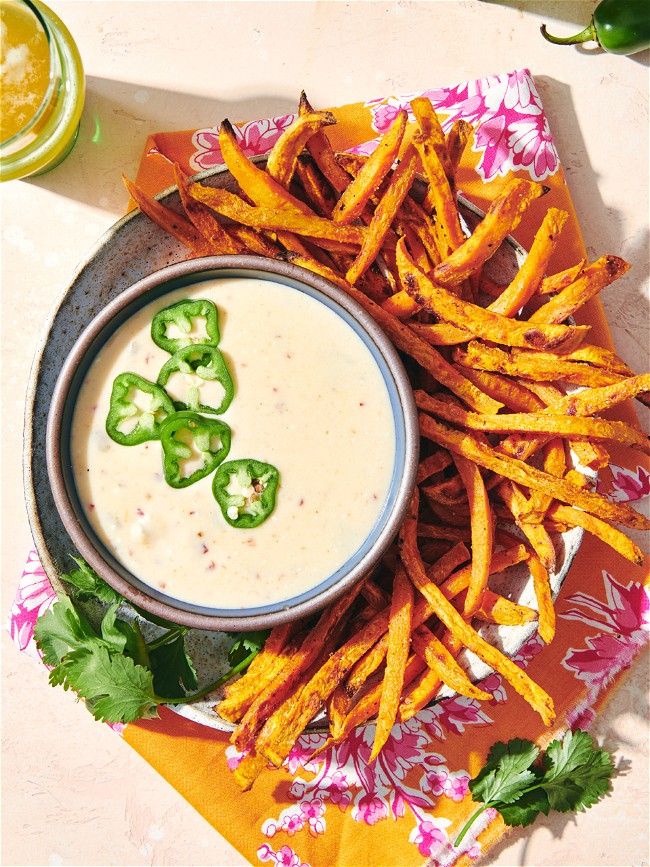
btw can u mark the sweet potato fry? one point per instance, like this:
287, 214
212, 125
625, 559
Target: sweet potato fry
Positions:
282, 159
537, 423
446, 612
400, 183
556, 282
527, 365
430, 127
592, 279
483, 323
456, 140
531, 477
537, 535
597, 527
530, 275
321, 150
257, 184
426, 686
356, 195
502, 217
433, 464
175, 224
440, 660
276, 692
546, 623
276, 219
221, 243
439, 196
399, 640
481, 530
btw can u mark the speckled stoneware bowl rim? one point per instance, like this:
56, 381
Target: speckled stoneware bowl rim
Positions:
154, 287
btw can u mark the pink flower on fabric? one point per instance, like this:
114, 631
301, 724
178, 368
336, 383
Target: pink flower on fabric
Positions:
627, 485
292, 823
234, 757
622, 621
370, 810
313, 812
452, 786
284, 857
336, 788
383, 116
33, 597
428, 838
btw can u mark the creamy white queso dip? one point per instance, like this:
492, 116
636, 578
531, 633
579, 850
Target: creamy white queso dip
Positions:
309, 399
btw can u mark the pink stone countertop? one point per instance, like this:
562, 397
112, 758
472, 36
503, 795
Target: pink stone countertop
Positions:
72, 791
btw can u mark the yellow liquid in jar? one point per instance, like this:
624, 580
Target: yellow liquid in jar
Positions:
24, 67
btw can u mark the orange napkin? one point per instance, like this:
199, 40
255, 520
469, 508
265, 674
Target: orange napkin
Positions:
410, 804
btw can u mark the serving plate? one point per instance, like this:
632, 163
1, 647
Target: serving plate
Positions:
131, 249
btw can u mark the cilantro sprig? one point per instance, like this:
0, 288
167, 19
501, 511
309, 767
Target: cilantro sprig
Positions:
572, 775
121, 676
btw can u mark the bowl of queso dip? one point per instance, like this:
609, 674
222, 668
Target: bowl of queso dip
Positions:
232, 443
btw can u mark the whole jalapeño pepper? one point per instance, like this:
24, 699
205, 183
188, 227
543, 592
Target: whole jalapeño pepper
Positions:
245, 491
137, 409
618, 26
187, 437
199, 364
177, 326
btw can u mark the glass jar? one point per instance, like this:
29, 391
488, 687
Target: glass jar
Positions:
42, 71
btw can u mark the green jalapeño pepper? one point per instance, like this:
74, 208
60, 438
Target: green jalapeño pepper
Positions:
245, 490
187, 439
136, 410
177, 326
198, 369
618, 26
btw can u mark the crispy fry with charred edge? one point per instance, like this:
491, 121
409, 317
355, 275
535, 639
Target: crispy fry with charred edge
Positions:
556, 282
529, 476
257, 184
356, 195
315, 186
481, 530
502, 217
285, 725
446, 612
440, 197
429, 125
400, 183
281, 162
528, 365
175, 224
536, 423
456, 140
399, 640
218, 237
479, 321
592, 279
320, 149
589, 354
276, 692
277, 219
530, 275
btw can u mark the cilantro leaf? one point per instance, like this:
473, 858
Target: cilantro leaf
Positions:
115, 688
573, 775
173, 669
245, 644
61, 629
506, 772
89, 585
577, 775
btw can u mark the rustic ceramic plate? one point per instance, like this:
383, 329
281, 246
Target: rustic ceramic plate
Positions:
133, 248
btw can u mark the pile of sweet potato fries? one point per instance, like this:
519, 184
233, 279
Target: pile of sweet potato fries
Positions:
509, 393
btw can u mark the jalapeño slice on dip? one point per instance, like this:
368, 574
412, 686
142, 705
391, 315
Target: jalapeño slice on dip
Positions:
310, 399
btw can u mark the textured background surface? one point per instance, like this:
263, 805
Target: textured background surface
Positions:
72, 792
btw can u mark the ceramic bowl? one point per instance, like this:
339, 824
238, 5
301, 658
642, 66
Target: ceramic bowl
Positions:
100, 555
